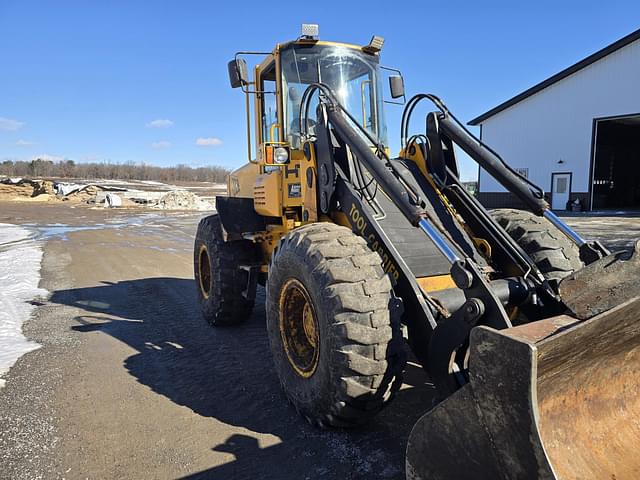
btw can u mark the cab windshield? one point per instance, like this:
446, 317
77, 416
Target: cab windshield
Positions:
350, 73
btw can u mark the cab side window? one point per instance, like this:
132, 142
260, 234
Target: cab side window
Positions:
269, 111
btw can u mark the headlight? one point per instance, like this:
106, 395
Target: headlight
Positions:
280, 155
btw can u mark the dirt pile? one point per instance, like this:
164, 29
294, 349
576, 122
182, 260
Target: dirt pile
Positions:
183, 200
26, 189
40, 190
21, 190
41, 187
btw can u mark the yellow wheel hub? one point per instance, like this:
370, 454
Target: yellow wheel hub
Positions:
299, 328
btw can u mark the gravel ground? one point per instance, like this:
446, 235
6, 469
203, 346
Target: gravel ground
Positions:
614, 232
130, 382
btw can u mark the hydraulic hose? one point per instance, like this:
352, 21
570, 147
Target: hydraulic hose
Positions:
378, 169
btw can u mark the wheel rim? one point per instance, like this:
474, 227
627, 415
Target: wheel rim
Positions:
204, 271
299, 328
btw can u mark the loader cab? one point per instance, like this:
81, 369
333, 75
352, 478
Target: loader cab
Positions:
279, 175
350, 72
280, 80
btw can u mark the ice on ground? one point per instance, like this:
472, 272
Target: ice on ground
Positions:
60, 230
151, 182
20, 258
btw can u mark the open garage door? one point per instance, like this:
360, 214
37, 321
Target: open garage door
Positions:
616, 170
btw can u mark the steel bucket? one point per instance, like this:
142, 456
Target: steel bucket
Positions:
553, 399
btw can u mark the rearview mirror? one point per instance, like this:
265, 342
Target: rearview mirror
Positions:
396, 83
238, 75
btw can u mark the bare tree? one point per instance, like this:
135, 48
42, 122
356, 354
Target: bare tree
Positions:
112, 171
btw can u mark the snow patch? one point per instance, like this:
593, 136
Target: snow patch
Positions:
20, 258
151, 182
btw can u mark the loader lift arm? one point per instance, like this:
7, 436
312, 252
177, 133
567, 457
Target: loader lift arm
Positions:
445, 127
483, 301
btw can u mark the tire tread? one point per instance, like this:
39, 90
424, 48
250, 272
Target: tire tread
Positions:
226, 305
553, 253
366, 329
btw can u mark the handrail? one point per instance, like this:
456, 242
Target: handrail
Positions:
274, 126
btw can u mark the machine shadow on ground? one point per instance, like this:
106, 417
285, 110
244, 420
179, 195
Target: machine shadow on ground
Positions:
227, 374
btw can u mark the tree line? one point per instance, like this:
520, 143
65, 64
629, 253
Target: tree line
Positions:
112, 171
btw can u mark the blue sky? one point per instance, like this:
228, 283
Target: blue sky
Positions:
142, 81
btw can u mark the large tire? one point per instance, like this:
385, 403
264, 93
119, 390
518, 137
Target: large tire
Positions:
356, 365
554, 254
221, 285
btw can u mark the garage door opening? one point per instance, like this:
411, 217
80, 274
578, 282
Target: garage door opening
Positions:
616, 172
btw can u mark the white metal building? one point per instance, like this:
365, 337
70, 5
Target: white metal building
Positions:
576, 134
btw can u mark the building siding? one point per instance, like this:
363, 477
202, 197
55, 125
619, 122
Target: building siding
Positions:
557, 123
493, 200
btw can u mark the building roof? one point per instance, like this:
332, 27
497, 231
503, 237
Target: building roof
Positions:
623, 42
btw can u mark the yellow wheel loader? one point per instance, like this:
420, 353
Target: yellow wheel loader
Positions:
530, 333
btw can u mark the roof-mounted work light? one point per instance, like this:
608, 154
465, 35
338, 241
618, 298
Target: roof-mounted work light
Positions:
375, 45
310, 31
